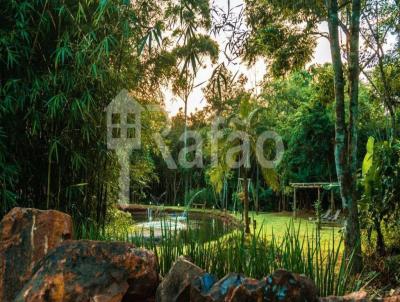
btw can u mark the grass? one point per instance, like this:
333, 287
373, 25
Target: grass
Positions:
276, 223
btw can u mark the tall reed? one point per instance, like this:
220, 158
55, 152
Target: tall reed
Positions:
255, 255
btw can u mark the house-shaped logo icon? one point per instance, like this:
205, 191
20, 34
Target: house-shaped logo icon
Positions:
124, 122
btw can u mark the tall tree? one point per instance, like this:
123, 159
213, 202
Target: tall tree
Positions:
240, 145
346, 133
285, 32
191, 49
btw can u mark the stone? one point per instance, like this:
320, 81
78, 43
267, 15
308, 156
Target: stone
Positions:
83, 271
392, 299
232, 288
251, 290
26, 235
286, 286
216, 292
393, 295
360, 296
176, 284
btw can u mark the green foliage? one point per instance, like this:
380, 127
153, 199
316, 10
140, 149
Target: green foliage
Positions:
300, 109
309, 134
63, 63
205, 195
7, 174
224, 92
283, 32
381, 170
142, 174
117, 223
368, 159
246, 119
216, 176
392, 268
196, 47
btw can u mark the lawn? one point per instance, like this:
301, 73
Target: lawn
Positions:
277, 224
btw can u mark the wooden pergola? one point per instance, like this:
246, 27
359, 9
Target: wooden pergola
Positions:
313, 185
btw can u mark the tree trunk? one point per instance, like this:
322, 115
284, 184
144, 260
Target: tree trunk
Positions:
256, 196
352, 234
346, 140
390, 104
380, 242
185, 172
397, 30
246, 203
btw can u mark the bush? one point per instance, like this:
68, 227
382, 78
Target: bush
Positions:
392, 269
118, 223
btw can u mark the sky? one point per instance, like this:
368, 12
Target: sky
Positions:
254, 73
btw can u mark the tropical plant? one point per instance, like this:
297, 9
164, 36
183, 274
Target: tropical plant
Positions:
381, 171
240, 146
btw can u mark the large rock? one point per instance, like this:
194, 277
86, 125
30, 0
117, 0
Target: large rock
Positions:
83, 271
360, 296
286, 286
26, 235
251, 290
175, 287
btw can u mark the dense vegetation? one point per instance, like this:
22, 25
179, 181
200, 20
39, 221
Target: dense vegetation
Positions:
62, 62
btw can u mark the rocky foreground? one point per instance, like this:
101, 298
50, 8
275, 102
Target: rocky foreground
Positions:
40, 263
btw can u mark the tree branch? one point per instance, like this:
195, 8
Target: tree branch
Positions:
344, 28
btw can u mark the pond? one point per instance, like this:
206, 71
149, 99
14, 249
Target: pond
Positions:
204, 226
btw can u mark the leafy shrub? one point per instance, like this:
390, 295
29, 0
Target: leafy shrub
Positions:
118, 223
392, 269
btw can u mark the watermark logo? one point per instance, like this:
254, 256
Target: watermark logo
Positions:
124, 126
238, 144
124, 129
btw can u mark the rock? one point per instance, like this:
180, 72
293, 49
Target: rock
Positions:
26, 235
83, 271
232, 288
202, 291
392, 299
176, 284
360, 296
251, 290
286, 286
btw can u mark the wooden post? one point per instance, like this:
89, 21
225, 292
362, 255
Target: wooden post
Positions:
332, 200
294, 202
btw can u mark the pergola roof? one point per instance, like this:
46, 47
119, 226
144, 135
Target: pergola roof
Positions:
314, 185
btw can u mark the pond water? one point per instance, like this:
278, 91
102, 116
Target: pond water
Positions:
203, 226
